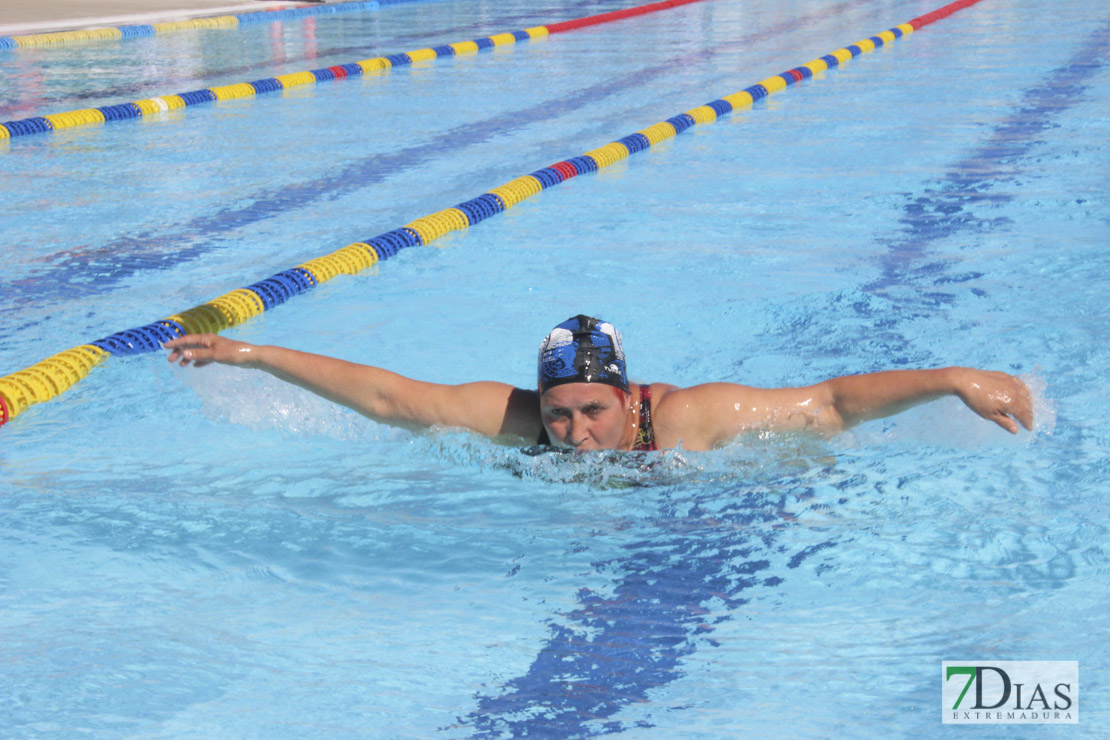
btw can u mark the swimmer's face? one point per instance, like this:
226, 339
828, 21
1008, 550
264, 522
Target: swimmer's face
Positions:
587, 416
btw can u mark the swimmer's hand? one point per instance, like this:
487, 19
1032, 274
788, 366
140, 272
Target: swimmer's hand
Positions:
996, 396
202, 349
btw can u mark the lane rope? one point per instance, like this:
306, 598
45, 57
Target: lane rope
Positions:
377, 65
51, 377
208, 23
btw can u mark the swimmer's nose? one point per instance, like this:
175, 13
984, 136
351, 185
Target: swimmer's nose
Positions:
580, 429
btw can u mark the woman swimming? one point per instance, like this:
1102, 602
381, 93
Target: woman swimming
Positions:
583, 399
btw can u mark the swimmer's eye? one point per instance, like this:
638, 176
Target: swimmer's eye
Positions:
592, 409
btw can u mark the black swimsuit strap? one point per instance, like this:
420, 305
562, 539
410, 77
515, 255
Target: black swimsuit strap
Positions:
647, 433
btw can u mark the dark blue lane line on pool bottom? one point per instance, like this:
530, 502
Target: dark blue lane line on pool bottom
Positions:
621, 646
108, 96
976, 182
67, 274
634, 641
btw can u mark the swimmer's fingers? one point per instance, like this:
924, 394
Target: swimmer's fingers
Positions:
1023, 410
1004, 421
204, 349
1015, 403
183, 350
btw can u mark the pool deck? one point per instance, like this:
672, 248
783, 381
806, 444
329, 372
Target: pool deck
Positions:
41, 16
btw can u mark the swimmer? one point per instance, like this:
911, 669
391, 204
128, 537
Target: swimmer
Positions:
583, 399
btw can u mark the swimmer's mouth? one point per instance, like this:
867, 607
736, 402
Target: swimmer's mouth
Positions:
584, 447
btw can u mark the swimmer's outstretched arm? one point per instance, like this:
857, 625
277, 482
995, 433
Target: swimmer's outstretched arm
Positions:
717, 412
995, 396
496, 410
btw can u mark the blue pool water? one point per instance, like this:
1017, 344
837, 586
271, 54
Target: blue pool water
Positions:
213, 554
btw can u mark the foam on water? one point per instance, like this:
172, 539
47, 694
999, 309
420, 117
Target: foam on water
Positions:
258, 400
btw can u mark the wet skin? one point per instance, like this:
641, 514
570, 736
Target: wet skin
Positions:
590, 416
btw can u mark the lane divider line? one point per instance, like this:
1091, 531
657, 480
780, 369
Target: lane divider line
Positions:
377, 65
51, 377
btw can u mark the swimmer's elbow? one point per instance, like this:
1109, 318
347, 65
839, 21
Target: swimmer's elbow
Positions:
828, 419
829, 422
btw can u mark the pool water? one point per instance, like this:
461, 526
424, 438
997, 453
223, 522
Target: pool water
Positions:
211, 553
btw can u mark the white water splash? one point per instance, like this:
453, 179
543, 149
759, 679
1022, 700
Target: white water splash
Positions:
258, 400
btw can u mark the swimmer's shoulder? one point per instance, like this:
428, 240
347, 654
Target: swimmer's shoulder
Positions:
672, 415
697, 415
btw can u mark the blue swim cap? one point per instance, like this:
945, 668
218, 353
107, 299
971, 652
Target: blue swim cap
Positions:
582, 350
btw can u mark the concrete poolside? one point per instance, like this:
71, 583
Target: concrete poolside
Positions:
19, 17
